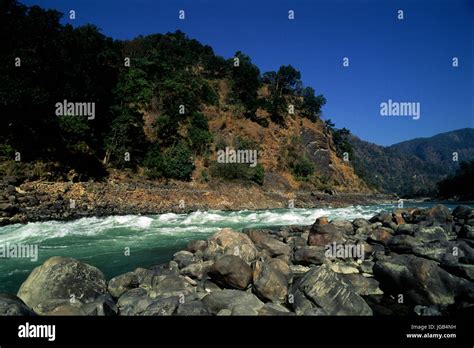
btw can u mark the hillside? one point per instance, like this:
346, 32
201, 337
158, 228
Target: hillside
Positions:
158, 107
412, 168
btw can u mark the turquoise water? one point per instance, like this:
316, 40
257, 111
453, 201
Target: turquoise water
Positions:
152, 240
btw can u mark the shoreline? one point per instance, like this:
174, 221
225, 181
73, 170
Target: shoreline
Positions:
65, 201
339, 267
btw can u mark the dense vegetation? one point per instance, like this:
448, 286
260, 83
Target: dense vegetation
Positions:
167, 78
459, 186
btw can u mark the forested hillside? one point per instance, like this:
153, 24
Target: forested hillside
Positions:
164, 105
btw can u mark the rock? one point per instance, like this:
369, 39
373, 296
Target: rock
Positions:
407, 229
274, 309
380, 235
281, 266
467, 231
230, 242
299, 269
402, 243
328, 292
421, 280
310, 255
192, 308
134, 302
463, 212
60, 278
323, 220
270, 244
427, 310
196, 245
231, 272
183, 258
460, 270
168, 286
344, 225
430, 234
162, 307
342, 268
322, 235
358, 223
197, 270
119, 285
170, 268
362, 285
243, 310
227, 299
366, 267
10, 305
224, 312
438, 215
101, 306
269, 284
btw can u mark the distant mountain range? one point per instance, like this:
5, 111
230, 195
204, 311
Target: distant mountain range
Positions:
413, 167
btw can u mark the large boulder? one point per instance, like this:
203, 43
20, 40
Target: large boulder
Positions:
437, 215
62, 279
268, 283
230, 242
463, 212
231, 272
10, 305
310, 255
325, 290
422, 280
263, 241
228, 299
324, 234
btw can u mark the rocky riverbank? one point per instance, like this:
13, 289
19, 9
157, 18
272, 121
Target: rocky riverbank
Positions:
22, 202
410, 262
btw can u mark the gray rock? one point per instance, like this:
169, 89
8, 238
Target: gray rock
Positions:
243, 310
230, 242
327, 291
184, 258
268, 283
134, 302
227, 299
231, 272
168, 286
364, 286
104, 305
120, 284
10, 305
60, 278
420, 279
162, 307
192, 308
274, 309
197, 270
310, 255
196, 245
263, 241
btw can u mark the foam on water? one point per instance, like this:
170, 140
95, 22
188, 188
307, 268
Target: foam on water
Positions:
151, 239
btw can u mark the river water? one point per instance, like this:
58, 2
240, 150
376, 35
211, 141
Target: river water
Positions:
150, 240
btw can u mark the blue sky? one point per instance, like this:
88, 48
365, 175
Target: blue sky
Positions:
405, 60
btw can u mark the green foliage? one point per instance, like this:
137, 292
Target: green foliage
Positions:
198, 134
238, 172
312, 104
302, 167
460, 185
174, 163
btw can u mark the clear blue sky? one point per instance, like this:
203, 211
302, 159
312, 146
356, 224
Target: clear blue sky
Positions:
406, 61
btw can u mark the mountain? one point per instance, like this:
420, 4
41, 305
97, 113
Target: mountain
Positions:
413, 167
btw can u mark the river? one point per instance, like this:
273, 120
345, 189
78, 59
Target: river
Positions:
150, 240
